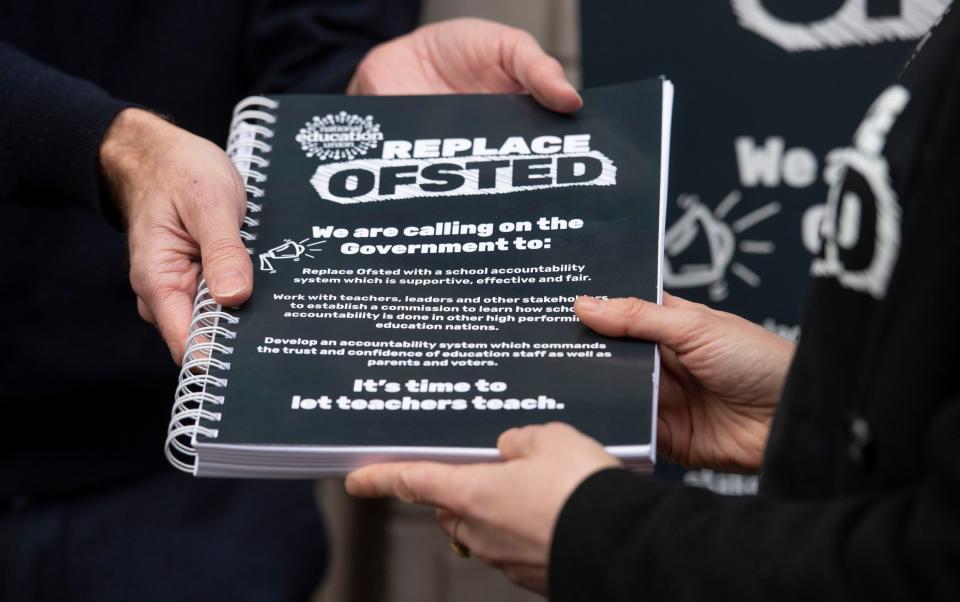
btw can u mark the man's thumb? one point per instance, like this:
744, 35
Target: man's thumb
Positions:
227, 269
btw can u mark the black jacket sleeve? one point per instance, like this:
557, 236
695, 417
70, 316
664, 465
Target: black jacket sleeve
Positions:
51, 127
624, 537
315, 46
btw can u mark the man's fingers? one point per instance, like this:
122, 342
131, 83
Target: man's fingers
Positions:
539, 73
638, 319
226, 265
430, 483
215, 226
144, 310
172, 312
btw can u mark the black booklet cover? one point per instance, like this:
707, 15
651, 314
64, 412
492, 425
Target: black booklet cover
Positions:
416, 261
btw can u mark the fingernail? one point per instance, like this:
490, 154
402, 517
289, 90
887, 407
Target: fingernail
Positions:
588, 303
229, 284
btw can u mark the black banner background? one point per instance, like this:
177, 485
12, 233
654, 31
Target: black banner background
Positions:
743, 225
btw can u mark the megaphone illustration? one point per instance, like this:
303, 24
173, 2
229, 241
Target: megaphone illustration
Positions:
288, 250
720, 239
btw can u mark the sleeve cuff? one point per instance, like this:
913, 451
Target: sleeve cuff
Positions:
69, 166
56, 124
592, 540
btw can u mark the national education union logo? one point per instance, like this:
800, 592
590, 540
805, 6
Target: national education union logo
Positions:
340, 137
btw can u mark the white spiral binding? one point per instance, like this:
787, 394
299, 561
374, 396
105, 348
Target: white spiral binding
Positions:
210, 327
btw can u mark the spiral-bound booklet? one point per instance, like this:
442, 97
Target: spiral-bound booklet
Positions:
416, 261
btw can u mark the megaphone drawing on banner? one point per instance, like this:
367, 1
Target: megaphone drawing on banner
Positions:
721, 241
697, 220
289, 249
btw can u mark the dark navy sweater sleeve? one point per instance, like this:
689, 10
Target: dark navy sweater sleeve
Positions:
314, 47
51, 127
52, 124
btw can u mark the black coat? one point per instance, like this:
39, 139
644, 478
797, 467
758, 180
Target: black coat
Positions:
860, 488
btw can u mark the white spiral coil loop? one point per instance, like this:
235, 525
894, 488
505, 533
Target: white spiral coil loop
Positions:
203, 366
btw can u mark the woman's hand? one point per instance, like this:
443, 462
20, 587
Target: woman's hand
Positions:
506, 511
465, 56
720, 382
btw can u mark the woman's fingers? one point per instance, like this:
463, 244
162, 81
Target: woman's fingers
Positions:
430, 483
671, 324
